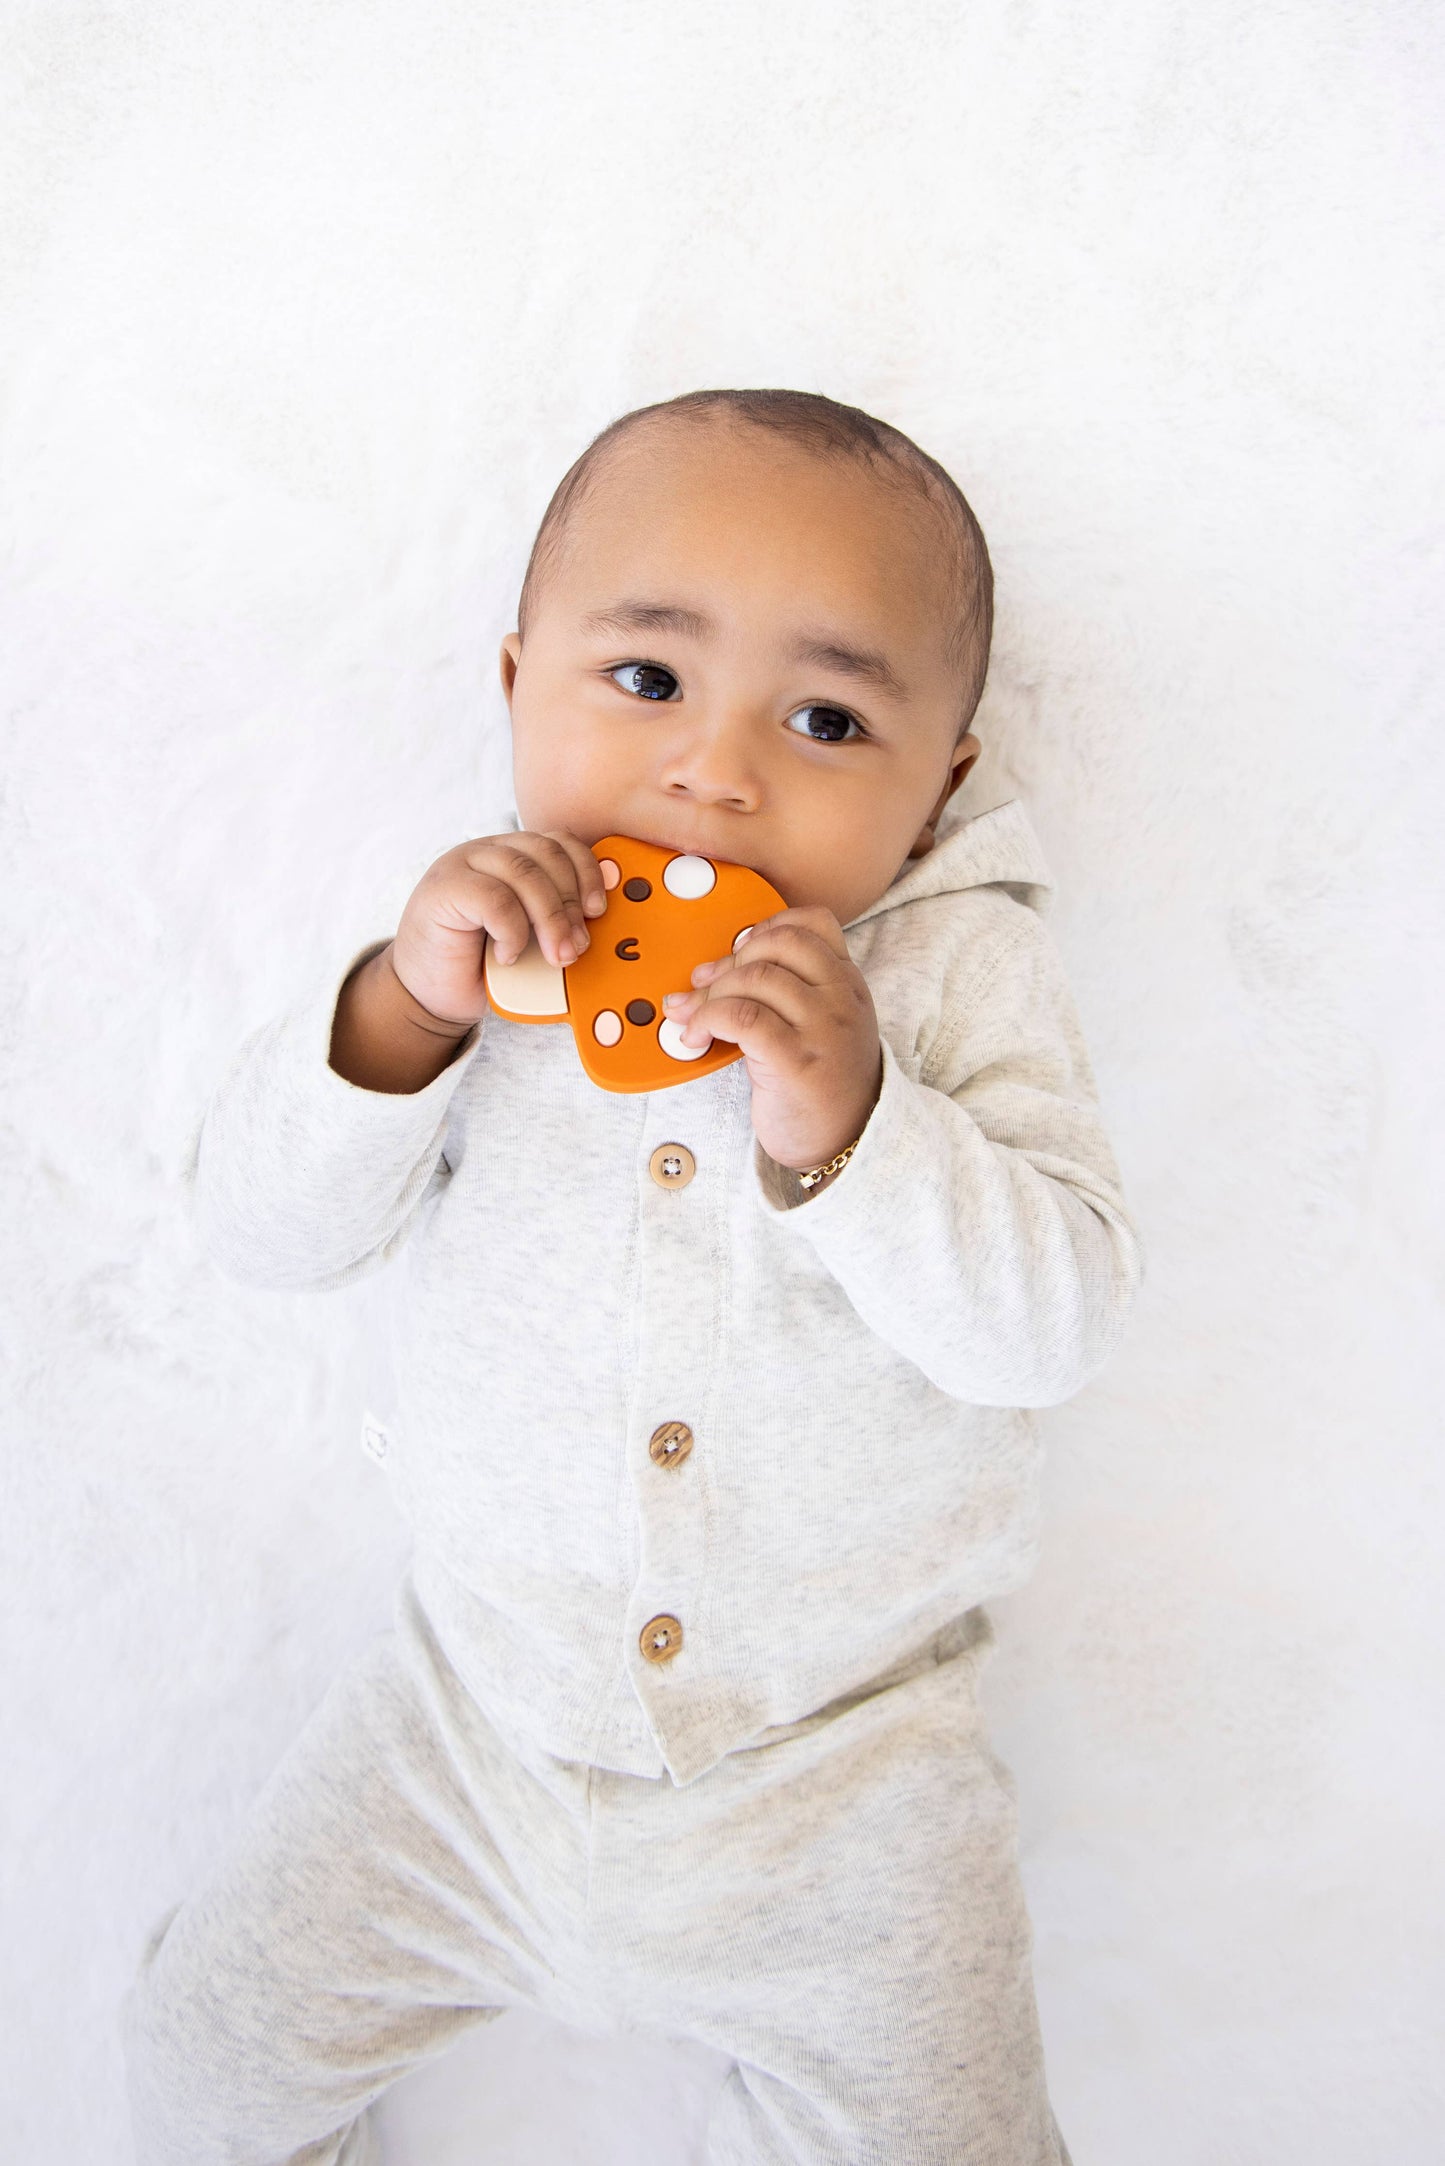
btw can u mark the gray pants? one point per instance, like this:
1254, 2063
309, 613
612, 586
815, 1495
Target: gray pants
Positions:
838, 1911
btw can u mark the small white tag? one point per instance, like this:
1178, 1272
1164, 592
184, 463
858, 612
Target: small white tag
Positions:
374, 1440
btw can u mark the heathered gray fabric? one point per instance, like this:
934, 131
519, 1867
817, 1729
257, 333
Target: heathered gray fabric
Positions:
791, 1841
857, 1366
838, 1912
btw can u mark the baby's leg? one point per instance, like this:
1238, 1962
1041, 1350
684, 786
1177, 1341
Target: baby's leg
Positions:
842, 1914
380, 1901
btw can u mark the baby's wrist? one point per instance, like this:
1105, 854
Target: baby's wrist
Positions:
812, 1178
382, 1038
821, 1171
413, 1010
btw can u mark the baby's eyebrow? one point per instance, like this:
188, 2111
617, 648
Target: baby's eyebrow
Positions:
818, 649
864, 663
650, 617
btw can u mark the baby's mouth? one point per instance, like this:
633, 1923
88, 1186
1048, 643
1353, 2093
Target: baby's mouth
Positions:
692, 846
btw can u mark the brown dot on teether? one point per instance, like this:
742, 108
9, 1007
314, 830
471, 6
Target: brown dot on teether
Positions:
640, 1011
637, 890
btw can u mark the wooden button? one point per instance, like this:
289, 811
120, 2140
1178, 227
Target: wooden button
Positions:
661, 1638
672, 1165
670, 1443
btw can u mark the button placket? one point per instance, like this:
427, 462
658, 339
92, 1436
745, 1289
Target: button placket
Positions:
681, 1278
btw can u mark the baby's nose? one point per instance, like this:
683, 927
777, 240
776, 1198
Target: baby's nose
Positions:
716, 764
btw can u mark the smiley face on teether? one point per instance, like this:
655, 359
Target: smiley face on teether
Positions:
667, 911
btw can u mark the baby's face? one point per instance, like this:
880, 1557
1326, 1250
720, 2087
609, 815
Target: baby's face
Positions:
741, 651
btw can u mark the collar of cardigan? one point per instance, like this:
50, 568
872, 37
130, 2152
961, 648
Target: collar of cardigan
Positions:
997, 848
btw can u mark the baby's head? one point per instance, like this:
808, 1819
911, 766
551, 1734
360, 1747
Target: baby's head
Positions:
755, 625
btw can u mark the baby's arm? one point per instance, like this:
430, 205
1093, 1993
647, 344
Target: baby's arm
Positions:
980, 1226
327, 1133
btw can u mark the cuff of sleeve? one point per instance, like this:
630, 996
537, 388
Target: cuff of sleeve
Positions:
853, 1196
308, 1032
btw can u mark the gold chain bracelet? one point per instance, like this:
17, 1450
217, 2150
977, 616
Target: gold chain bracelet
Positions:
834, 1165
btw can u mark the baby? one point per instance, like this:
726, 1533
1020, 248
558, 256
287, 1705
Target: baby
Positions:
710, 1412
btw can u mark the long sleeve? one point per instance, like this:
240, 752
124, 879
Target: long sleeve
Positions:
980, 1227
299, 1178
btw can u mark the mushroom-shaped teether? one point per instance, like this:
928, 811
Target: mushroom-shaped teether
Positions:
667, 911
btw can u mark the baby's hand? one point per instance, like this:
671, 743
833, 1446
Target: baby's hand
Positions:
799, 1007
505, 885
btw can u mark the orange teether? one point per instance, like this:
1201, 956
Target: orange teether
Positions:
667, 911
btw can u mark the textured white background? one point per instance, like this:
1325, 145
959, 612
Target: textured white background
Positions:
305, 308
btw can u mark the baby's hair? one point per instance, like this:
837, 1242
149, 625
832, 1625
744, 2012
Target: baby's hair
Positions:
830, 431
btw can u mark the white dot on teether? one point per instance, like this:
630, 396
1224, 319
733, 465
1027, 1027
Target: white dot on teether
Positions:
610, 870
607, 1026
669, 1037
689, 877
742, 936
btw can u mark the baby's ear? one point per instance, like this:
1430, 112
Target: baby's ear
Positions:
965, 752
511, 655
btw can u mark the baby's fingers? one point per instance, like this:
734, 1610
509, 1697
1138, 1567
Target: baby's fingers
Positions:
591, 890
748, 985
757, 1028
530, 884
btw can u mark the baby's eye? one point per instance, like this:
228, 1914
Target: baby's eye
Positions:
647, 679
825, 725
